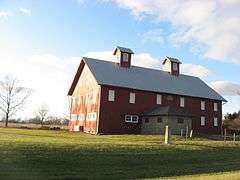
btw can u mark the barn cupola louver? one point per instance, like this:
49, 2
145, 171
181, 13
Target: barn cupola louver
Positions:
171, 65
124, 56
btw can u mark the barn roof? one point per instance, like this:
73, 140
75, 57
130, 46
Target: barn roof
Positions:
139, 78
123, 49
167, 111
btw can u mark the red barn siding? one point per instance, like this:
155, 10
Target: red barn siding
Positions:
85, 97
111, 118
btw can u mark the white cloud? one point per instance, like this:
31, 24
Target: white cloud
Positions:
154, 35
226, 88
25, 11
49, 76
5, 14
196, 70
213, 24
80, 1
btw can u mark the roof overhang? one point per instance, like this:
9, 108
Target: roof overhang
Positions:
76, 77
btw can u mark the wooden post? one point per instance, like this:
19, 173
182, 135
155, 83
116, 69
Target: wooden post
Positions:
186, 133
225, 134
234, 137
167, 135
191, 132
181, 132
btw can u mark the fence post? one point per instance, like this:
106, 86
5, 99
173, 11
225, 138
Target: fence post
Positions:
191, 133
181, 132
186, 133
234, 137
225, 134
167, 135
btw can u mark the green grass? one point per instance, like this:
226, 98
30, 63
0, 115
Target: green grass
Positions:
39, 154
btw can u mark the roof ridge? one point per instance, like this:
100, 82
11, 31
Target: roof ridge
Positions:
148, 68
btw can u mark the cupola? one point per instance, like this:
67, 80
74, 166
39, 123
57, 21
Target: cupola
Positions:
124, 56
172, 65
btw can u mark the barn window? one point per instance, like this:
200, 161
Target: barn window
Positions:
74, 117
159, 99
175, 68
131, 118
81, 117
91, 116
202, 121
215, 122
132, 98
215, 106
125, 57
159, 120
111, 95
202, 105
180, 120
134, 119
182, 102
146, 120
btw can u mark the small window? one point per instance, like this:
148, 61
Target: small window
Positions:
125, 57
91, 116
159, 99
128, 118
111, 95
215, 122
202, 105
134, 119
180, 120
81, 117
215, 106
175, 66
131, 118
202, 121
159, 120
146, 120
132, 98
182, 102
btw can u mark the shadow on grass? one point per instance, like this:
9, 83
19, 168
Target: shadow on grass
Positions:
111, 162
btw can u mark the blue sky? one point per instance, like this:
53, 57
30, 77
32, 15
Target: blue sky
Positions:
49, 37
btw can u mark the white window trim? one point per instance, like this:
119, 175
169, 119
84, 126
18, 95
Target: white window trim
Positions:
215, 122
132, 97
203, 121
91, 116
111, 95
215, 106
182, 102
130, 117
159, 99
203, 105
81, 116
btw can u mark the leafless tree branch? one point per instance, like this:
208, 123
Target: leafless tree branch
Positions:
12, 96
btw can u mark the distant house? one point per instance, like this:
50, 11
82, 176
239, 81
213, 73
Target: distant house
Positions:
118, 98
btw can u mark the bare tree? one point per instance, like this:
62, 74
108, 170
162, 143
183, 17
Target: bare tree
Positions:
12, 97
42, 113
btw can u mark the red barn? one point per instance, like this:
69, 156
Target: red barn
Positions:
118, 98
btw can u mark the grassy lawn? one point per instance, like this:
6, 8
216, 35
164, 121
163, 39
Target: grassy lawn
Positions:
39, 154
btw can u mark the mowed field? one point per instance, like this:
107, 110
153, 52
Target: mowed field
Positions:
42, 154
